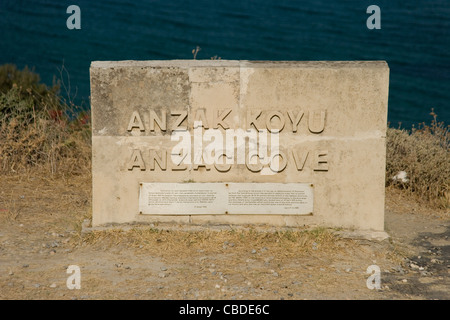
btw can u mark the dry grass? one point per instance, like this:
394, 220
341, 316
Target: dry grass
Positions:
424, 154
44, 201
38, 129
247, 241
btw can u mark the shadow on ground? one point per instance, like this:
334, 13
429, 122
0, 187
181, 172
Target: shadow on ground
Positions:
426, 274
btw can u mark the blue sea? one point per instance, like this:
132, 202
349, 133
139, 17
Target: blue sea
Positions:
414, 39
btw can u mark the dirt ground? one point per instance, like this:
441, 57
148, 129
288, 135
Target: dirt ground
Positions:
41, 235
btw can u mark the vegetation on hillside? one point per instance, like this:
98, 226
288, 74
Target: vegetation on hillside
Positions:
39, 130
423, 155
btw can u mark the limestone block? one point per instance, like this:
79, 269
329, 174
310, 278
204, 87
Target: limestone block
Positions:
327, 121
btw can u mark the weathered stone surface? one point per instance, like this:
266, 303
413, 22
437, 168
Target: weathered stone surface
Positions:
333, 117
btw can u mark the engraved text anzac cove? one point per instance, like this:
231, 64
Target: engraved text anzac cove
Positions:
262, 133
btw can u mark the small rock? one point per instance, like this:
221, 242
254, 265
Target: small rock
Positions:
225, 243
52, 252
404, 280
231, 244
413, 266
275, 274
217, 286
10, 273
25, 266
21, 225
348, 270
290, 294
322, 269
128, 267
163, 268
253, 251
437, 261
37, 285
53, 285
161, 275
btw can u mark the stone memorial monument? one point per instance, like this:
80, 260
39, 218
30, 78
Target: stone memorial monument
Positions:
239, 142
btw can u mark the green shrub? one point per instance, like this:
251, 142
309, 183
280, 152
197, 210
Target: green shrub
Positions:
28, 84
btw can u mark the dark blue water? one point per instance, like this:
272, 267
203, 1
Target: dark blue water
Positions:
414, 39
